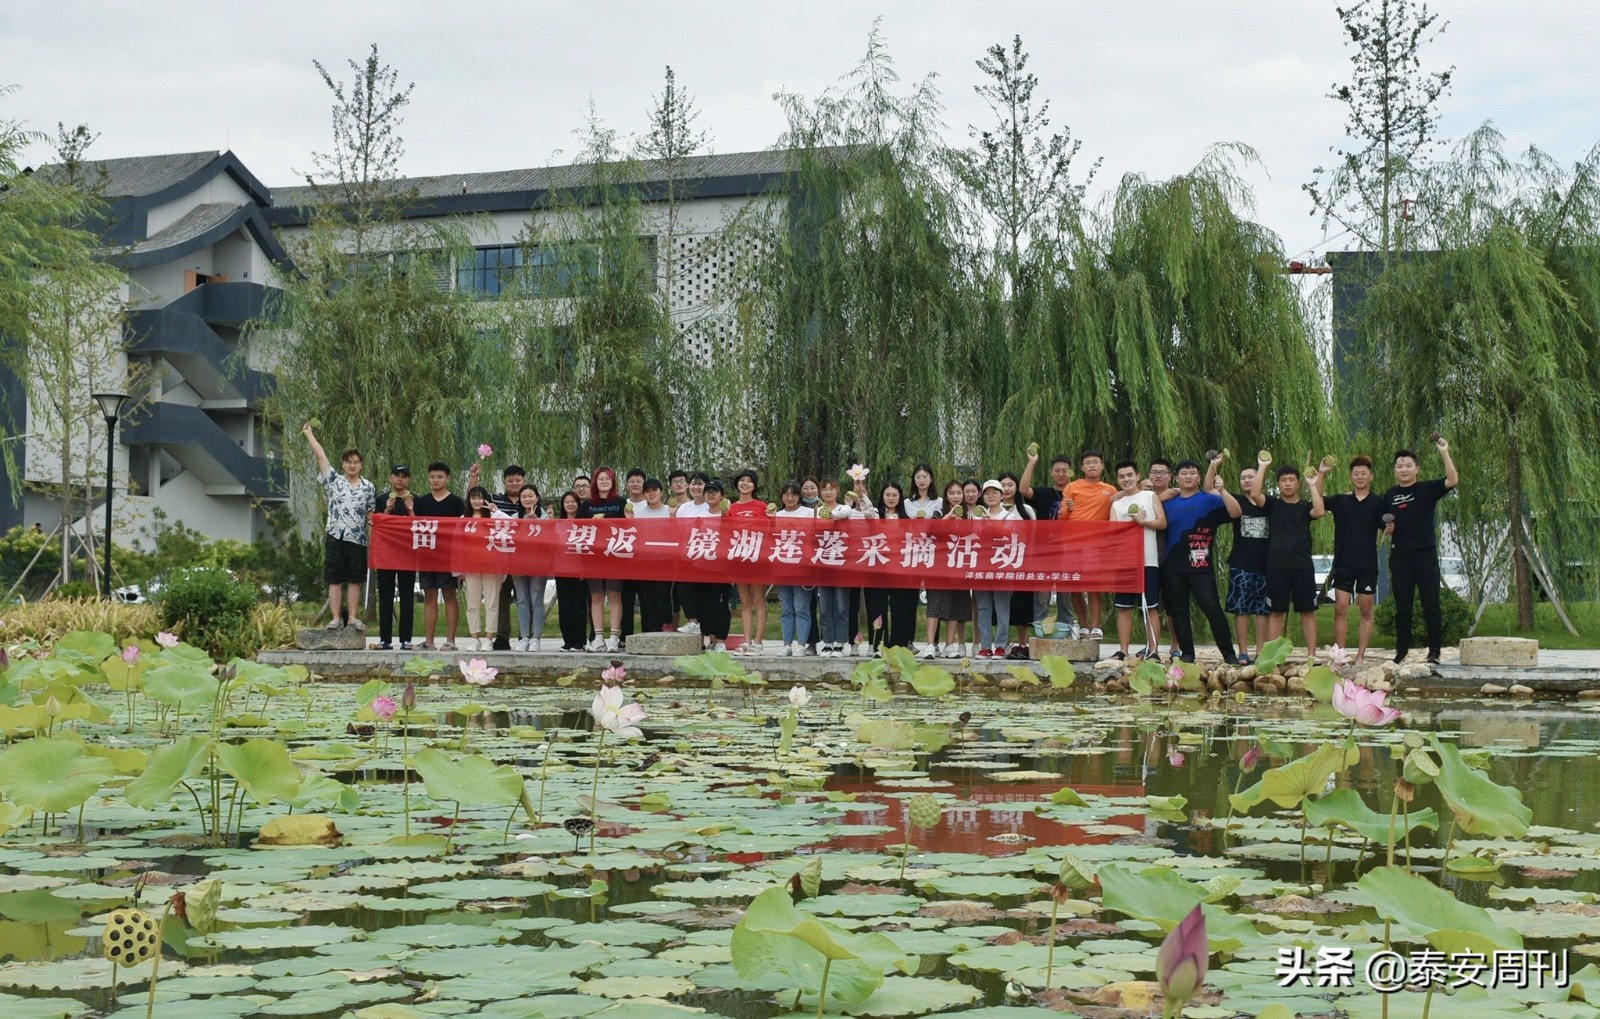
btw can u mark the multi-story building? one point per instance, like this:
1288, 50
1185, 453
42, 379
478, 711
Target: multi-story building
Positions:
201, 242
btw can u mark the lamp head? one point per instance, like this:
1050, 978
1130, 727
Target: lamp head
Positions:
111, 404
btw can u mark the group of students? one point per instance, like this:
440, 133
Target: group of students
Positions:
1270, 568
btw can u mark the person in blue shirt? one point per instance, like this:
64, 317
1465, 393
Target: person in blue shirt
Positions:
1188, 549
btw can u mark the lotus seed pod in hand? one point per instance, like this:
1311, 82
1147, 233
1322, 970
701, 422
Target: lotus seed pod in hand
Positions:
1033, 449
1263, 456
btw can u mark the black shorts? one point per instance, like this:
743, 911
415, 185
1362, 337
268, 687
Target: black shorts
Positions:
1151, 596
438, 581
1351, 580
343, 562
1297, 585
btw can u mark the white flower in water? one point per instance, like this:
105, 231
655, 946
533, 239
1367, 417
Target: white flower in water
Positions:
166, 639
477, 672
616, 717
799, 696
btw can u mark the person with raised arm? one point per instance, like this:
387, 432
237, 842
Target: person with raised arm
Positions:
352, 500
1414, 546
1291, 573
1188, 571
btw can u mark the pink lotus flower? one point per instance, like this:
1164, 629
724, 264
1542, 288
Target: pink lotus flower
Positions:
166, 639
1338, 655
612, 714
1247, 763
857, 472
130, 654
615, 674
1183, 958
485, 451
408, 697
477, 672
383, 708
1175, 757
1354, 701
1174, 678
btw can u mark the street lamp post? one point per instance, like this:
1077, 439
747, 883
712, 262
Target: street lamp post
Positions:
111, 407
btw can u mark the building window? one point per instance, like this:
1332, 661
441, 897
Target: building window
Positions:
489, 271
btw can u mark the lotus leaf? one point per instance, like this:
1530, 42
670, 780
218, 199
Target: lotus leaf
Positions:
775, 938
262, 767
1345, 808
472, 780
178, 685
167, 767
1481, 806
51, 775
1423, 907
1288, 784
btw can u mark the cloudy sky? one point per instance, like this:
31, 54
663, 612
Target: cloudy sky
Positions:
1146, 86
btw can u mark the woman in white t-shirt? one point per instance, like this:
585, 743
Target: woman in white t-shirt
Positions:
922, 502
1140, 506
794, 599
685, 593
994, 607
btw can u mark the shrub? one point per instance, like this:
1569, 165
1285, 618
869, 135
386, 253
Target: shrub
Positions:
1454, 612
75, 590
211, 609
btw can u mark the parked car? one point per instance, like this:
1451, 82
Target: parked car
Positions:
1322, 564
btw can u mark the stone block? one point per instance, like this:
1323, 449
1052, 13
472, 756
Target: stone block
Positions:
1071, 650
320, 638
665, 643
1502, 652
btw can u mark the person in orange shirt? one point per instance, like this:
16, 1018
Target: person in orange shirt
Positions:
1089, 498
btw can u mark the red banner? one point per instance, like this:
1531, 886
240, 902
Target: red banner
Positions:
1001, 555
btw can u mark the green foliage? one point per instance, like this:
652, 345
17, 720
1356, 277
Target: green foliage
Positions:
811, 956
1454, 612
1288, 784
75, 589
1424, 908
210, 609
1344, 808
1481, 805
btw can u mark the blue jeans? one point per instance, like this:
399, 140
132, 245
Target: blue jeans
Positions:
530, 605
834, 607
997, 603
1041, 607
796, 617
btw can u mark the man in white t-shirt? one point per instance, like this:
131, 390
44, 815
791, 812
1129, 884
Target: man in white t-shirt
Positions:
1140, 506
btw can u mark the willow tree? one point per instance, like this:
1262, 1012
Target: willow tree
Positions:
852, 301
369, 337
1487, 334
585, 321
1164, 327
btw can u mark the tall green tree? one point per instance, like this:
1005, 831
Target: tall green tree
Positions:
1391, 114
852, 301
585, 320
1164, 327
370, 337
1488, 334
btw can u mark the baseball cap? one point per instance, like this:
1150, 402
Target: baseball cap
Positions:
400, 469
991, 483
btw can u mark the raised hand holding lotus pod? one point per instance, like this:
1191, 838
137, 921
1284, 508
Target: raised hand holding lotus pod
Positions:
1264, 456
1211, 455
1033, 449
1328, 462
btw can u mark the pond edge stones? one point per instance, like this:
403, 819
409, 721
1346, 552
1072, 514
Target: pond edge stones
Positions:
1071, 650
666, 643
320, 638
1500, 652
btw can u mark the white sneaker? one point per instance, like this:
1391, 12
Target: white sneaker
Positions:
690, 627
787, 652
1096, 634
808, 651
717, 645
613, 644
596, 646
927, 651
531, 644
520, 644
952, 650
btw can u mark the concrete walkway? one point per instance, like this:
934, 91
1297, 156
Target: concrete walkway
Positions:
1557, 672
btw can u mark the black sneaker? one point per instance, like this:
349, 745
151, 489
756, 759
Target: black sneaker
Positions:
384, 646
1433, 658
1119, 657
405, 645
1233, 660
1400, 657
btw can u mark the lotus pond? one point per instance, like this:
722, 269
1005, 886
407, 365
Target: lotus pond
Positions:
896, 845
